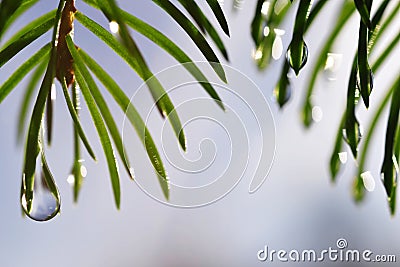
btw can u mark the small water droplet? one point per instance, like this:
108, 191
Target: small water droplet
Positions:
53, 92
114, 27
343, 157
370, 81
257, 54
357, 95
332, 65
317, 114
358, 133
297, 63
277, 48
282, 100
279, 32
368, 180
266, 31
83, 171
75, 179
44, 205
71, 179
265, 8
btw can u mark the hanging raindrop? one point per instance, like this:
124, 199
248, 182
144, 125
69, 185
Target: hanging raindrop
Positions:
332, 65
370, 86
393, 175
277, 47
257, 54
283, 93
265, 8
317, 114
45, 201
114, 26
368, 180
297, 62
75, 179
343, 157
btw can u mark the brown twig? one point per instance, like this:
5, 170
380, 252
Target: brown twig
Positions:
64, 58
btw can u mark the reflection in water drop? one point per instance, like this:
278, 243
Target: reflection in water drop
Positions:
317, 114
343, 157
368, 180
44, 205
297, 63
114, 27
332, 65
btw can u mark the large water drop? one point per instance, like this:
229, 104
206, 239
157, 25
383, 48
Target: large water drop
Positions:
297, 62
45, 201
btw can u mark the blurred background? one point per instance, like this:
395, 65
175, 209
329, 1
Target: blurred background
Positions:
296, 208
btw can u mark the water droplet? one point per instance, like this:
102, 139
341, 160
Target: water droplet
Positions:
343, 157
266, 31
257, 54
114, 27
71, 179
53, 92
44, 204
332, 65
265, 8
370, 82
368, 180
279, 32
297, 62
75, 179
83, 171
277, 46
357, 95
358, 133
317, 114
287, 91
